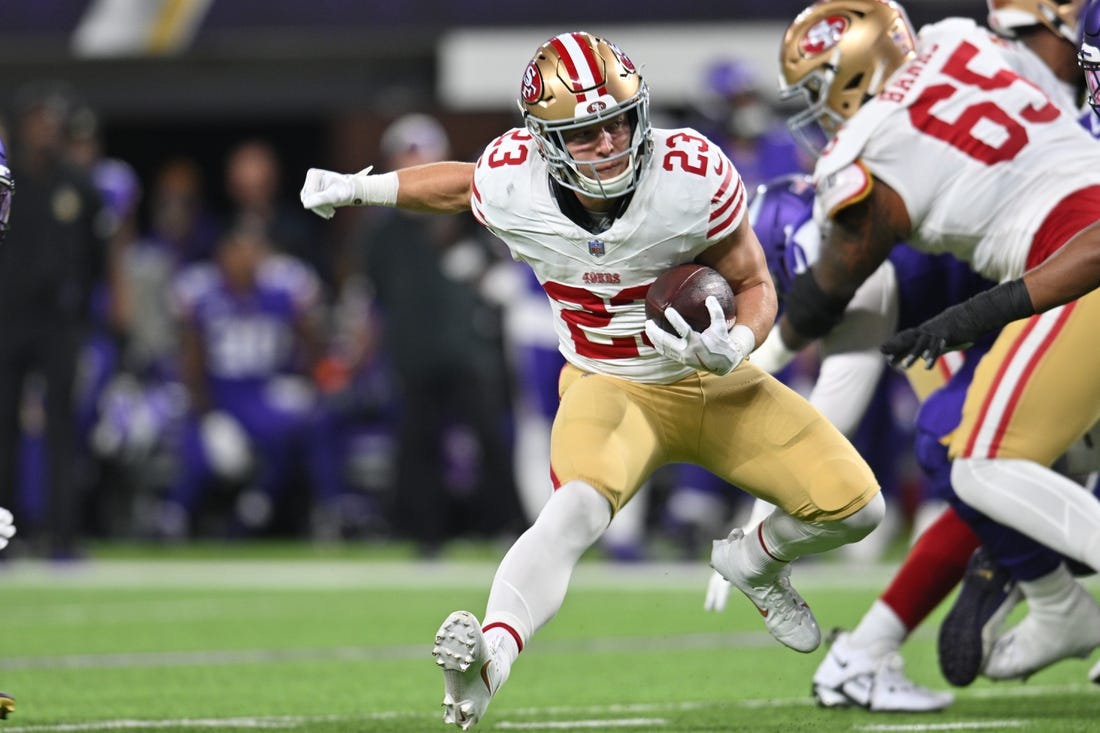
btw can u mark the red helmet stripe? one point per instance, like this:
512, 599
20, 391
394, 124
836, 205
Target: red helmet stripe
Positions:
580, 63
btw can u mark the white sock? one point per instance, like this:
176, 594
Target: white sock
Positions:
503, 646
1033, 499
1052, 593
787, 538
880, 631
532, 579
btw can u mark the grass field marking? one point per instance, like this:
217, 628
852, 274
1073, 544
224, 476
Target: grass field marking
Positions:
961, 725
306, 575
274, 722
571, 724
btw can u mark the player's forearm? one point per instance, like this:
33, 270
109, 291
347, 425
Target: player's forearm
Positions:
1067, 275
441, 188
756, 308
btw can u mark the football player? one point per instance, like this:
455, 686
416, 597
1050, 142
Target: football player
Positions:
598, 203
250, 336
862, 667
1089, 53
7, 190
998, 174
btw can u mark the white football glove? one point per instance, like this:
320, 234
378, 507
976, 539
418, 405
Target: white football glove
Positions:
325, 191
7, 529
718, 590
715, 350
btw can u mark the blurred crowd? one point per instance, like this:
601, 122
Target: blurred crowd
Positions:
170, 371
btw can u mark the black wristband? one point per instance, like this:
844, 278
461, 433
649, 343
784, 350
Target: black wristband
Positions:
812, 311
988, 311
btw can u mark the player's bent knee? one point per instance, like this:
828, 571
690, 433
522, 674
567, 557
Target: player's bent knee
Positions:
968, 475
860, 523
575, 512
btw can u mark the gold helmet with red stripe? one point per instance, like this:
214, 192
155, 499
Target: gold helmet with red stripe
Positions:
1058, 16
579, 79
838, 54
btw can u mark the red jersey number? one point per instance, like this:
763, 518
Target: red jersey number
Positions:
689, 153
959, 133
510, 149
583, 309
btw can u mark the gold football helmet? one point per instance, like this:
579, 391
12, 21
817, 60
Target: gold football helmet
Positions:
579, 79
1059, 16
837, 54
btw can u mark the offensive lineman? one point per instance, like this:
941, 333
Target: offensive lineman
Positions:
598, 203
940, 143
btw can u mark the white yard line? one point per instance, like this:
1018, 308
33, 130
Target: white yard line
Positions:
638, 716
972, 725
305, 575
600, 724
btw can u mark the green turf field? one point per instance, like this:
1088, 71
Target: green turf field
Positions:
240, 641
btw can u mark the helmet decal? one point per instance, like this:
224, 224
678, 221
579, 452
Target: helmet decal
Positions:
623, 58
823, 35
531, 89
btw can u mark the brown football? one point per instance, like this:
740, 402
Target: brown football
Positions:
685, 288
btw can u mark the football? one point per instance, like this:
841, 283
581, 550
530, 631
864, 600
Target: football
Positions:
685, 288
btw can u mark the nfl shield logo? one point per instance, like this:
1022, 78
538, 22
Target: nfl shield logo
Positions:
595, 248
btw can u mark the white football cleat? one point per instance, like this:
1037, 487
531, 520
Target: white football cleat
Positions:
470, 675
786, 614
1046, 636
849, 676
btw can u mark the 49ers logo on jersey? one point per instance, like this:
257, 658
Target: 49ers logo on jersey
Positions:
623, 58
531, 89
823, 35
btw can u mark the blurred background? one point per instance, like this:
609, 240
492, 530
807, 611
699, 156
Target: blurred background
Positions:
188, 355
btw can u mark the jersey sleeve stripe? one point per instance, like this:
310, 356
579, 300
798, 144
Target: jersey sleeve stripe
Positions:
721, 210
730, 222
725, 182
476, 204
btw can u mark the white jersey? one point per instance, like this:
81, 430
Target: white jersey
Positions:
979, 154
689, 197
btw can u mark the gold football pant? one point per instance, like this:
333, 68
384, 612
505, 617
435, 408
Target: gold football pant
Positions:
1037, 390
746, 427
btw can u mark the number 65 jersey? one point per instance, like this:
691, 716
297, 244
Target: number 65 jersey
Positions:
688, 198
979, 154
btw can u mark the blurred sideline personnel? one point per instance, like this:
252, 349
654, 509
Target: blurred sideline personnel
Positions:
734, 113
249, 336
54, 255
253, 182
1001, 176
422, 270
582, 196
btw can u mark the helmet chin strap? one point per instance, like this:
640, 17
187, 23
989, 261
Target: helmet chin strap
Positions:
610, 188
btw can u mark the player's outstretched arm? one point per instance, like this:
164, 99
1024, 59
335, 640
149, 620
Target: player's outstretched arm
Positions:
441, 188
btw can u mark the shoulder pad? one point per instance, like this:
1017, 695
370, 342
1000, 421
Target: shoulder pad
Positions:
842, 188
